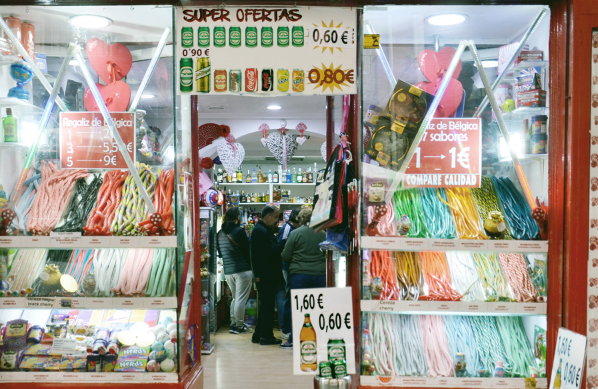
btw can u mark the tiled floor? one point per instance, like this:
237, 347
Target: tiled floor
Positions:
236, 363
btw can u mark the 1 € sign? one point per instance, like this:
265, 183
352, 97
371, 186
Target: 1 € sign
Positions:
569, 360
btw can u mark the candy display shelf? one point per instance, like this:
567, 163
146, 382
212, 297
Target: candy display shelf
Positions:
454, 382
88, 302
426, 244
526, 158
91, 242
19, 106
454, 307
9, 59
73, 377
525, 113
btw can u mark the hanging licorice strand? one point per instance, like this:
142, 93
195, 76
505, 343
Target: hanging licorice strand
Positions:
516, 209
465, 276
438, 357
108, 267
516, 345
466, 217
158, 283
25, 267
109, 195
461, 340
409, 275
81, 205
493, 281
486, 202
163, 198
380, 345
515, 270
437, 275
414, 362
59, 258
24, 201
386, 224
382, 267
437, 215
490, 346
407, 202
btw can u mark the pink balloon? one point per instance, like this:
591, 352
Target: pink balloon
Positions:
116, 96
451, 99
108, 60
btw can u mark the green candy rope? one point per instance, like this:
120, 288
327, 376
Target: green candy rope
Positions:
486, 201
490, 345
437, 214
516, 345
407, 202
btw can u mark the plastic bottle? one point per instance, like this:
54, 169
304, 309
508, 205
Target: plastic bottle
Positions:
270, 176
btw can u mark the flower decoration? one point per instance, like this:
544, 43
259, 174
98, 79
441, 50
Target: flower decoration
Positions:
207, 163
224, 130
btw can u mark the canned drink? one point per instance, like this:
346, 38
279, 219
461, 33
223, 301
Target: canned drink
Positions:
234, 36
28, 38
235, 83
339, 368
282, 35
203, 36
220, 80
298, 36
325, 369
336, 349
219, 36
267, 83
251, 76
187, 36
267, 36
298, 80
251, 36
186, 72
282, 77
14, 24
202, 76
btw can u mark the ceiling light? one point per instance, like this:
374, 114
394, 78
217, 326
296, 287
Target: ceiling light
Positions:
90, 21
446, 19
274, 107
490, 64
148, 96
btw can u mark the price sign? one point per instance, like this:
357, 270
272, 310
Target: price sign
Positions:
331, 37
449, 155
569, 360
322, 328
86, 141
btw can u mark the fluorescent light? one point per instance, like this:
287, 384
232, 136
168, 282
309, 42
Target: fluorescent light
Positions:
73, 62
446, 19
148, 96
90, 21
489, 64
274, 107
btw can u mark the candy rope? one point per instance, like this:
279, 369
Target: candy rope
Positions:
382, 267
24, 201
461, 340
162, 220
81, 205
60, 259
437, 214
414, 362
407, 202
517, 346
438, 279
493, 281
490, 346
24, 269
386, 223
516, 209
486, 202
515, 270
436, 349
465, 276
409, 275
466, 217
382, 361
108, 199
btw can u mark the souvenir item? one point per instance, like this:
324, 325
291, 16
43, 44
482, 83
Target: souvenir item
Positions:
22, 74
231, 156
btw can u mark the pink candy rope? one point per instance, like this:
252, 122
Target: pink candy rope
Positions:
134, 276
436, 348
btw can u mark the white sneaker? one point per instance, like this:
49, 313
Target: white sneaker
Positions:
285, 336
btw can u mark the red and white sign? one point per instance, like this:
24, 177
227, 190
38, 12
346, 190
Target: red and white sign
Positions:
86, 141
449, 155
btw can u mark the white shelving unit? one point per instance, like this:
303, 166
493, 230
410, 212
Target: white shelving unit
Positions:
454, 382
88, 302
477, 308
306, 190
396, 243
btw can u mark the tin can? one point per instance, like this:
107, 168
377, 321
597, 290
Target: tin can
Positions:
203, 36
267, 83
267, 36
251, 36
220, 80
336, 349
219, 36
298, 36
14, 24
539, 124
234, 36
186, 72
28, 38
339, 368
325, 369
235, 80
187, 36
298, 80
282, 80
539, 144
251, 76
202, 75
282, 36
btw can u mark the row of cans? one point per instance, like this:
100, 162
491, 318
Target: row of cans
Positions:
333, 369
233, 79
235, 36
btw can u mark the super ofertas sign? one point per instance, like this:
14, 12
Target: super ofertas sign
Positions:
448, 155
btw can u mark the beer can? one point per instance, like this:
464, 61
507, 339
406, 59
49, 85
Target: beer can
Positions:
186, 74
267, 36
336, 349
14, 24
187, 36
234, 36
298, 80
267, 83
202, 75
28, 38
339, 368
282, 80
219, 36
235, 80
251, 76
325, 369
282, 36
203, 36
220, 80
298, 36
251, 36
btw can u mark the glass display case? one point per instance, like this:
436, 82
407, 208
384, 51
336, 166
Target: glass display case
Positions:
209, 277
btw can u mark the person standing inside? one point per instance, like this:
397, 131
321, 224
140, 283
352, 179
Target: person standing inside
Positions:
307, 263
233, 246
267, 271
283, 292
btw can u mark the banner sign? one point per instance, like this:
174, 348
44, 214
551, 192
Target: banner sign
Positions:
86, 141
266, 51
449, 155
323, 331
569, 358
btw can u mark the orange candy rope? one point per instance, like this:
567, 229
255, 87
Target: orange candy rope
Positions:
384, 279
438, 277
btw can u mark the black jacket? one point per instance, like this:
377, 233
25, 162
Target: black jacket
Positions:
235, 259
266, 261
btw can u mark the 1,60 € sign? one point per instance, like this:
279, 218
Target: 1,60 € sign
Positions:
328, 322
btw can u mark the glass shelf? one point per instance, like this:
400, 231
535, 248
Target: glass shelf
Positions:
9, 59
525, 113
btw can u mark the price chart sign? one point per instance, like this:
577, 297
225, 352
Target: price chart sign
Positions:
86, 141
322, 329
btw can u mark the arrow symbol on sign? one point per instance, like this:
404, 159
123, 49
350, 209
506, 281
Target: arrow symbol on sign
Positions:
441, 156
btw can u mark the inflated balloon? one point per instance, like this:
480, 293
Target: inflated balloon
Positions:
116, 96
111, 62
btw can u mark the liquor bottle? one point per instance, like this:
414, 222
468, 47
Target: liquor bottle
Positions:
310, 176
243, 197
557, 377
219, 176
224, 177
267, 197
9, 125
232, 177
315, 172
253, 197
248, 177
239, 175
307, 348
275, 177
289, 179
270, 177
285, 195
277, 195
299, 177
294, 176
305, 176
260, 176
254, 176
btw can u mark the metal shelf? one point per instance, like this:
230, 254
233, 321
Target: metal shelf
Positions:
525, 113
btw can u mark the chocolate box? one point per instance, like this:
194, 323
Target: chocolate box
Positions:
532, 98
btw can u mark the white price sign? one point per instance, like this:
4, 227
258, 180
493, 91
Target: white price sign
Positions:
322, 329
569, 358
331, 37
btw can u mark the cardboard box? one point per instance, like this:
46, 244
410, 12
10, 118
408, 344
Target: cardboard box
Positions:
532, 98
530, 55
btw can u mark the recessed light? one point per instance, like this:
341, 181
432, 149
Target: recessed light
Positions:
148, 96
216, 107
90, 21
274, 107
446, 19
489, 64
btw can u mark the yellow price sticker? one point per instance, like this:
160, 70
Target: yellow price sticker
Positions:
371, 41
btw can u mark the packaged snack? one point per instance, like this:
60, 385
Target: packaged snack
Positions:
73, 363
132, 359
38, 349
40, 363
10, 359
15, 335
540, 343
109, 363
375, 191
93, 363
35, 334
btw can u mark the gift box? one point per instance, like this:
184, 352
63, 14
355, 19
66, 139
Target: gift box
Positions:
532, 98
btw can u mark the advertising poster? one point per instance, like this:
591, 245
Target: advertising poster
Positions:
266, 51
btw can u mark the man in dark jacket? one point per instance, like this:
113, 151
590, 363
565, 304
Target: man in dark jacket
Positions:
266, 264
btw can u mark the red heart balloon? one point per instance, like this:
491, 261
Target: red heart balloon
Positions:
434, 64
451, 99
111, 62
116, 96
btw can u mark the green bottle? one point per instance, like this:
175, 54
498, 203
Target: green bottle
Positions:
9, 125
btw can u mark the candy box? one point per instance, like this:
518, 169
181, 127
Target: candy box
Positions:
10, 359
530, 55
39, 349
533, 98
40, 363
15, 335
73, 363
132, 359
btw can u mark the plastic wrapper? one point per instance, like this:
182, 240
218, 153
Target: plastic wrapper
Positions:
132, 359
10, 359
15, 335
40, 363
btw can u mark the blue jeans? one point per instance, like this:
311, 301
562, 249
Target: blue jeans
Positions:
287, 326
305, 281
280, 291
